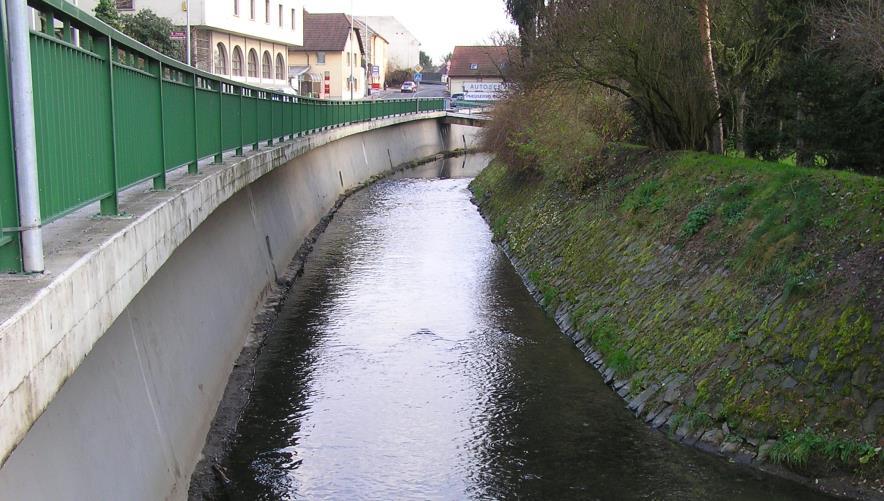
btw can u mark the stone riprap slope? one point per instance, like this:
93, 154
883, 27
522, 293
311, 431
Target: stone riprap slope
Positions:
736, 303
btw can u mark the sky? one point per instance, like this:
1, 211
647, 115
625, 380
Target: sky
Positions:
438, 24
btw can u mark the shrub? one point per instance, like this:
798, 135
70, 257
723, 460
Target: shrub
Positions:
558, 132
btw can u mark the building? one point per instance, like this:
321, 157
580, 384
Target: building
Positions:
245, 40
332, 52
404, 48
478, 70
377, 50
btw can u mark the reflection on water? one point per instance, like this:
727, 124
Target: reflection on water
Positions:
410, 363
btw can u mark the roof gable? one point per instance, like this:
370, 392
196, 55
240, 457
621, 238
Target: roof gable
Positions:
326, 32
479, 61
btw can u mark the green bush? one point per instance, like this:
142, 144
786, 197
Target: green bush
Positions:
561, 133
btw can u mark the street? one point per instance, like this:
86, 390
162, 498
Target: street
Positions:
425, 89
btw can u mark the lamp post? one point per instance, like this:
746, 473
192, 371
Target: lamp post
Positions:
22, 97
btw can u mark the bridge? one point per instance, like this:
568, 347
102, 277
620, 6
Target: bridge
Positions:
146, 211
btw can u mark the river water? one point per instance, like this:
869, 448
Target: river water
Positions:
410, 362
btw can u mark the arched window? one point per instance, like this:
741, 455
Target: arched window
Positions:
266, 65
220, 59
280, 67
237, 61
253, 63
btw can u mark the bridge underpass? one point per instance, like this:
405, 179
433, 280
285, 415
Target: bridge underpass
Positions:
113, 360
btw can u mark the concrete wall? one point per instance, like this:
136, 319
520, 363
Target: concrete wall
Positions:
131, 420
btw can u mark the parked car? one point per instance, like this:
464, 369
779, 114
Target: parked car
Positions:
457, 97
408, 86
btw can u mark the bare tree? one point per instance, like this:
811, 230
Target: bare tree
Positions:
857, 28
648, 52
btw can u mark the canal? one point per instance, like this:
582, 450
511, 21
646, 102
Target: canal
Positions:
409, 362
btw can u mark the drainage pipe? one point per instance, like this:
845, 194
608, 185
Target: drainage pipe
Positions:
25, 136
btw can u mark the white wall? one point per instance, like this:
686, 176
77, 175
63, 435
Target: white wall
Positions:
218, 14
404, 49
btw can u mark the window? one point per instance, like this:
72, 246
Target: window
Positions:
280, 67
320, 58
293, 20
280, 15
252, 9
237, 62
474, 66
267, 11
253, 63
220, 59
266, 65
124, 5
235, 7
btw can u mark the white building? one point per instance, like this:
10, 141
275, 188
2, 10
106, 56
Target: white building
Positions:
377, 50
245, 40
404, 48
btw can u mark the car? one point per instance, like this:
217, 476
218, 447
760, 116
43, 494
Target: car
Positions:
457, 97
408, 86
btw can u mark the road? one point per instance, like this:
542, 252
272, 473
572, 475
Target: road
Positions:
425, 90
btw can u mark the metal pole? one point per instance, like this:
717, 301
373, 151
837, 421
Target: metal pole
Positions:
352, 83
187, 20
25, 136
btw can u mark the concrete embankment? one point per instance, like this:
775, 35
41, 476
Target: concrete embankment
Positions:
117, 359
736, 304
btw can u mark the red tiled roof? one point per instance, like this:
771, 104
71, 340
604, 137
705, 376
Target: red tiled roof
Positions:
488, 60
326, 32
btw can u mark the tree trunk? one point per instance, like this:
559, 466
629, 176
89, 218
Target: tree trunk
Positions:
803, 158
717, 143
740, 122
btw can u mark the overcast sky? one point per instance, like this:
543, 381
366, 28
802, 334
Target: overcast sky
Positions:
438, 24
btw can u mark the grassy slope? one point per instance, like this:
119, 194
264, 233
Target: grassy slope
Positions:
750, 290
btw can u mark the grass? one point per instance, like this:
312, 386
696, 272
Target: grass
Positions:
646, 197
727, 271
798, 448
604, 335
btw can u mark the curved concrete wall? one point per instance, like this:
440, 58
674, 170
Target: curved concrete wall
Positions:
131, 420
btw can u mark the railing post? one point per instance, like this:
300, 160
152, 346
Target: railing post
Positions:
110, 203
255, 146
270, 139
193, 167
25, 138
219, 157
292, 110
241, 122
159, 182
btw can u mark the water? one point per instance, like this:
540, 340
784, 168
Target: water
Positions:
410, 363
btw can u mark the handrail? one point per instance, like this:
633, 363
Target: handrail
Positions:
111, 112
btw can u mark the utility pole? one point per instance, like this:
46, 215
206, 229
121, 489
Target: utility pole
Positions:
187, 29
352, 83
369, 59
24, 136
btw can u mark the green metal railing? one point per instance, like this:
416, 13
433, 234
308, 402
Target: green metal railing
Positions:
111, 112
10, 252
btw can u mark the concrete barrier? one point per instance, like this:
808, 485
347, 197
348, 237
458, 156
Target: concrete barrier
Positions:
142, 331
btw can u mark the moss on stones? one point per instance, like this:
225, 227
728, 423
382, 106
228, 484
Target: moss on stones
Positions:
760, 283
